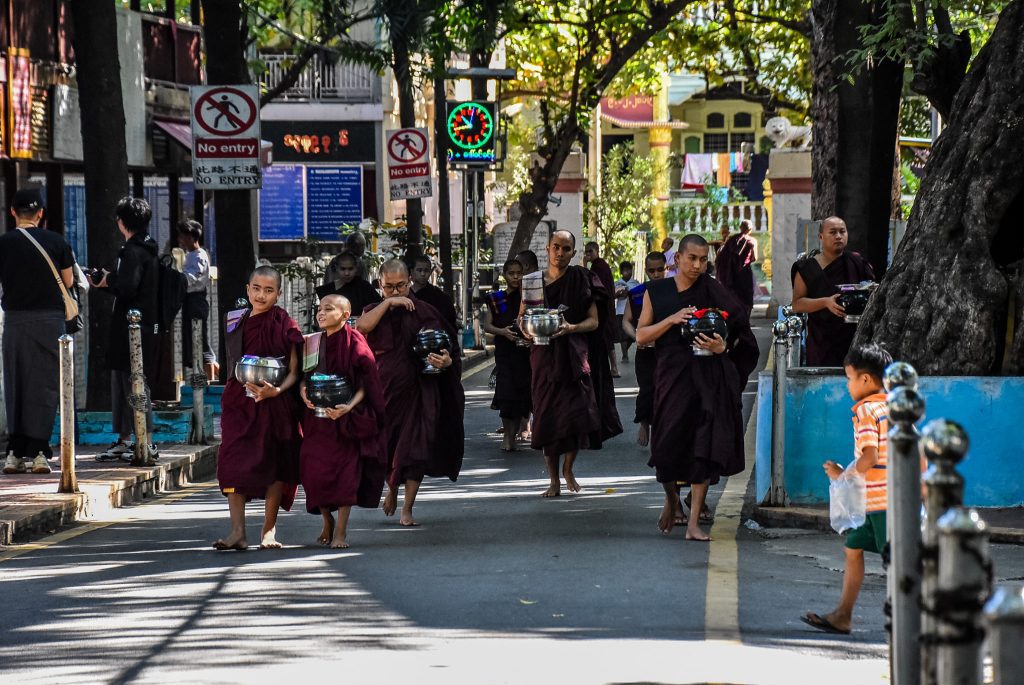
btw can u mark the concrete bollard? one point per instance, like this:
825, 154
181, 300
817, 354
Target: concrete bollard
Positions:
777, 493
965, 579
68, 478
199, 383
1004, 619
944, 444
139, 399
906, 407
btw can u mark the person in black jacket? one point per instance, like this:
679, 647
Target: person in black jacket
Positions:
134, 284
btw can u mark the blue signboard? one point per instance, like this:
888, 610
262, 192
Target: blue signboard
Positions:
334, 199
74, 219
281, 208
158, 196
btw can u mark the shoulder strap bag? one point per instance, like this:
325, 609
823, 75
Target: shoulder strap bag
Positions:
70, 304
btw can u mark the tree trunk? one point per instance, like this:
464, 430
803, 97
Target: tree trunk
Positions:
444, 204
236, 243
943, 304
534, 202
853, 158
400, 50
105, 160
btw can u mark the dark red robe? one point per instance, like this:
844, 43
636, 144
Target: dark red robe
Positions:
829, 336
423, 412
733, 267
606, 305
437, 299
645, 363
511, 361
566, 417
600, 343
358, 292
343, 462
260, 441
697, 430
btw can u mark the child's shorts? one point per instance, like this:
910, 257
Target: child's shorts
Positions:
871, 536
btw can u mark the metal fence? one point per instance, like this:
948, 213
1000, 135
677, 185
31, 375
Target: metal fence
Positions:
322, 81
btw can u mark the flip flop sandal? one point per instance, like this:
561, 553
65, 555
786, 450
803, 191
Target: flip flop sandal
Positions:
822, 624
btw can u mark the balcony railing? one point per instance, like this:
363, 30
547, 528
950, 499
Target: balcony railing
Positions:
322, 81
698, 215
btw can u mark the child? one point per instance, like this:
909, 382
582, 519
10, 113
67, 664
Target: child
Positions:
864, 368
343, 457
259, 453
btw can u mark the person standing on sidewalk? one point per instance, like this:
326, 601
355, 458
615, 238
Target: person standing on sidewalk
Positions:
646, 357
34, 319
134, 283
197, 303
623, 286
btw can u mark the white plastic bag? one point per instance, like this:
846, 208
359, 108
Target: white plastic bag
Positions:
847, 500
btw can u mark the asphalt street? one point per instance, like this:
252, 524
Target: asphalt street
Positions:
496, 585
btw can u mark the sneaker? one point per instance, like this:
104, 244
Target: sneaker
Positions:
13, 464
40, 465
154, 453
116, 451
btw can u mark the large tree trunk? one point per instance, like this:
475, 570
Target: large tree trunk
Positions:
855, 129
942, 306
534, 202
236, 242
105, 159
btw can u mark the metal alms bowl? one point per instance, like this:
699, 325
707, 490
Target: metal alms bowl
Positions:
428, 342
328, 390
541, 324
711, 323
854, 299
253, 369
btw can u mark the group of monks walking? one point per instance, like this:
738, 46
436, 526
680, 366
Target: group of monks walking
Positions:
402, 425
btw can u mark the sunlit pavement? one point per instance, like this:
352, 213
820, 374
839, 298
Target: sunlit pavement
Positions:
496, 586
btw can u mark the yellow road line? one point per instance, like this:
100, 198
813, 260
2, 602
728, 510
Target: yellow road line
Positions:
117, 517
722, 596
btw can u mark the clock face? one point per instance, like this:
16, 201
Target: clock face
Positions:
470, 125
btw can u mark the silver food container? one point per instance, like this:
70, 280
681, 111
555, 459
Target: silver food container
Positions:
253, 369
541, 324
853, 298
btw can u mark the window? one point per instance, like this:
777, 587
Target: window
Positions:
716, 142
736, 141
716, 120
742, 120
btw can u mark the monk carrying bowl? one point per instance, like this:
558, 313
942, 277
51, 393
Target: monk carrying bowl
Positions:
253, 369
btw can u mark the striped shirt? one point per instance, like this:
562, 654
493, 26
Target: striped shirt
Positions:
870, 429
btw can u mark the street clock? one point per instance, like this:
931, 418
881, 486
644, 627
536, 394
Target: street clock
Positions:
471, 129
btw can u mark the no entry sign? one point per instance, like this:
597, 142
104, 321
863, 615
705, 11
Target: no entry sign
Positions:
409, 163
226, 137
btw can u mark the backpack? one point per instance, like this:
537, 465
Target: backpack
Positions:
171, 289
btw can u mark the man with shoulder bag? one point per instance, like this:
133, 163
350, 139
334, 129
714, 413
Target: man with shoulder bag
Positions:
36, 272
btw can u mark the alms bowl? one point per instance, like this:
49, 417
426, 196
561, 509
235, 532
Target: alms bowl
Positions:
854, 300
328, 390
541, 324
708, 324
429, 342
253, 369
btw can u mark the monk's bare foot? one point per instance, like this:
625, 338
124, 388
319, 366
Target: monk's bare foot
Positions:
667, 518
339, 541
326, 533
570, 481
694, 533
507, 445
406, 518
390, 503
235, 541
269, 540
643, 436
554, 490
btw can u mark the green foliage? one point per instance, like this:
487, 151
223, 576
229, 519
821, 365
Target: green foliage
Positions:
622, 212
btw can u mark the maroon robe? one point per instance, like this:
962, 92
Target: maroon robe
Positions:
733, 267
606, 305
437, 299
829, 336
600, 343
260, 440
697, 428
645, 362
343, 461
565, 412
423, 412
511, 361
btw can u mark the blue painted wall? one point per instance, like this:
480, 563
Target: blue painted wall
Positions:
819, 427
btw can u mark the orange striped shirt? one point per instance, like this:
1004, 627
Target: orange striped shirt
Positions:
870, 429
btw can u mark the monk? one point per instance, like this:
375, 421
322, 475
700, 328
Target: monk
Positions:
344, 280
259, 452
815, 293
511, 357
566, 417
606, 308
734, 264
423, 413
646, 358
697, 422
342, 458
426, 291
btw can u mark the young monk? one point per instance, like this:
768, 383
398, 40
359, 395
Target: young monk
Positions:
646, 357
342, 458
697, 423
259, 453
423, 413
511, 359
566, 417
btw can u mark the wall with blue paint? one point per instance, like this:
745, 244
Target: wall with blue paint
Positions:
819, 427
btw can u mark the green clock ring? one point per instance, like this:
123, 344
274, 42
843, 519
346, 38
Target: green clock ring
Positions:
470, 126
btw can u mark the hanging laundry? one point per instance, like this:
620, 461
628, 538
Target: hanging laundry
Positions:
724, 178
698, 170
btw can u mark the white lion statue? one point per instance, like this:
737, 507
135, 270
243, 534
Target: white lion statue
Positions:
782, 133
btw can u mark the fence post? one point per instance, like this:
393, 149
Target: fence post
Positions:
139, 398
944, 443
199, 382
906, 407
965, 576
68, 479
1004, 617
777, 493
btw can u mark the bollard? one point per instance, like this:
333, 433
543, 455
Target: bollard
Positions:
199, 382
1004, 618
965, 577
68, 478
139, 399
777, 493
796, 327
906, 407
944, 444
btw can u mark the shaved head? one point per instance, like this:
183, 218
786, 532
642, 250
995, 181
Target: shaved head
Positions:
394, 266
266, 272
565, 234
339, 301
